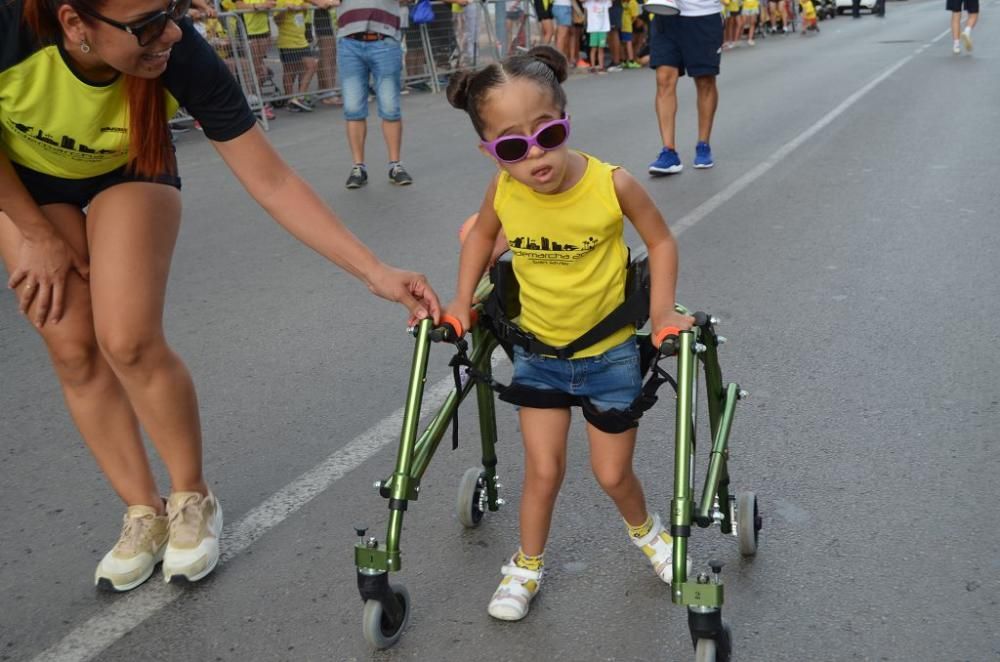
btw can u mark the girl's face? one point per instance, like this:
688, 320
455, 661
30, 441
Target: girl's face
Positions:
112, 48
519, 107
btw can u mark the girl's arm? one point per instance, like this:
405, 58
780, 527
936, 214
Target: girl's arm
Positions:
477, 248
649, 223
297, 208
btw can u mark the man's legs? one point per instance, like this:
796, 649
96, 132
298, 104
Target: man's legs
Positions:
708, 101
666, 104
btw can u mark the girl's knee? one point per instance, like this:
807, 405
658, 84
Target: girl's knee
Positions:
75, 357
547, 475
613, 479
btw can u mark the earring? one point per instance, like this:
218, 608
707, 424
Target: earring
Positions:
84, 47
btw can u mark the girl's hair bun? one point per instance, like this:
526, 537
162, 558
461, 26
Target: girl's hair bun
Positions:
551, 58
458, 89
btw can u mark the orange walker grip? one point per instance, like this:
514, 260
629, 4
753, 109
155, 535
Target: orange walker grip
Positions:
455, 325
663, 334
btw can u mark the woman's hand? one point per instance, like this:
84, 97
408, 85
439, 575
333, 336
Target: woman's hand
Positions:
43, 264
408, 288
669, 319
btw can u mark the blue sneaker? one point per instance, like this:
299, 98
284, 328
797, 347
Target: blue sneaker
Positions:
667, 163
703, 156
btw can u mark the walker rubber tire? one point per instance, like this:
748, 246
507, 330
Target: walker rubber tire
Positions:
748, 523
715, 650
469, 491
377, 631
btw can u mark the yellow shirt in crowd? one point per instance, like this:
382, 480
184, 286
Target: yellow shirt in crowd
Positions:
291, 24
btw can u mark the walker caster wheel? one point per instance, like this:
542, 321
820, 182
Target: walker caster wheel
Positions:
715, 650
471, 502
377, 627
748, 523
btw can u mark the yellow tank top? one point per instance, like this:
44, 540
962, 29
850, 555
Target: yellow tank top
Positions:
569, 256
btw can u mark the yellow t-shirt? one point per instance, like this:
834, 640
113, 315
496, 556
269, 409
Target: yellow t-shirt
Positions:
751, 5
570, 257
630, 9
257, 23
291, 25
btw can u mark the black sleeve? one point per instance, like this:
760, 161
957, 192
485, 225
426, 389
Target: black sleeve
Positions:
15, 42
203, 85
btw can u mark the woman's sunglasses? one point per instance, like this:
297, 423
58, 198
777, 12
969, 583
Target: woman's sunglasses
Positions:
511, 149
147, 30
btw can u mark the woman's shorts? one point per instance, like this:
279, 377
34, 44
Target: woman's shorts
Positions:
611, 380
563, 14
294, 55
626, 37
48, 190
262, 35
543, 13
515, 14
598, 39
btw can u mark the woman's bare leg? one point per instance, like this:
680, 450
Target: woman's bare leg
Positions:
132, 229
94, 396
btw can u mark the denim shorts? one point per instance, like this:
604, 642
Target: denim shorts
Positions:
611, 380
381, 60
563, 14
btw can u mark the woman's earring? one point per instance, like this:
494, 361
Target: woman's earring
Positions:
84, 47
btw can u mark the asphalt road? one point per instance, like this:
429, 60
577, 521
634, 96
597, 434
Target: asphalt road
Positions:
847, 236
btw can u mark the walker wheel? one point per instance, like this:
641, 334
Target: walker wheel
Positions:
471, 491
748, 523
376, 626
714, 650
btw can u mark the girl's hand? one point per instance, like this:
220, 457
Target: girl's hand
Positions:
462, 312
42, 267
669, 319
408, 288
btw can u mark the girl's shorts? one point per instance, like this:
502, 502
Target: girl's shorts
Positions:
563, 14
611, 380
598, 39
294, 55
626, 37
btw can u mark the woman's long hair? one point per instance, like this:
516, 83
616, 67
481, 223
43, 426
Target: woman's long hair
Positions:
149, 149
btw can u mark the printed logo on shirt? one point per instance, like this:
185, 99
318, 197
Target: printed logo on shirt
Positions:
543, 250
65, 146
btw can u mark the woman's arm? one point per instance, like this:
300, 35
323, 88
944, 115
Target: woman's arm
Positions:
640, 209
44, 258
297, 208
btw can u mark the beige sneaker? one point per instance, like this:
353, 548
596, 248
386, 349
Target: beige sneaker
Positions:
139, 548
195, 528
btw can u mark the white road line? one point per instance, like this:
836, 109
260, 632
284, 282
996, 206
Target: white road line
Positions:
102, 630
111, 624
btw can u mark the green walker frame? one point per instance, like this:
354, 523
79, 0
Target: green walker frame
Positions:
387, 606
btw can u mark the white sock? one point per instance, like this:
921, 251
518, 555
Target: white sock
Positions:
968, 29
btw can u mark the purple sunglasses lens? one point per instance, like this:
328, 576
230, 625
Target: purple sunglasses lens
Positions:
511, 149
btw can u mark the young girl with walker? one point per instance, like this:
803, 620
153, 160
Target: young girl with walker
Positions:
562, 212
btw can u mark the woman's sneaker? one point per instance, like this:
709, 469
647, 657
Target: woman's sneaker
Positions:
512, 599
139, 548
195, 528
658, 547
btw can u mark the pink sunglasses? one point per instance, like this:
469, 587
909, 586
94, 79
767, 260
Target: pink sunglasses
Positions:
511, 149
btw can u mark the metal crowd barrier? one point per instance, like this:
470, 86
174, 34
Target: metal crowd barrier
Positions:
296, 79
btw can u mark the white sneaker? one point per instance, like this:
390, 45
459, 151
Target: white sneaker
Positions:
658, 547
195, 528
966, 38
956, 48
139, 548
512, 599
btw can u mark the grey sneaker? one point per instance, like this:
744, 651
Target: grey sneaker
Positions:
358, 177
399, 176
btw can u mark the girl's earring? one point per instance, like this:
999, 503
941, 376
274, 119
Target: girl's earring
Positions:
84, 47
